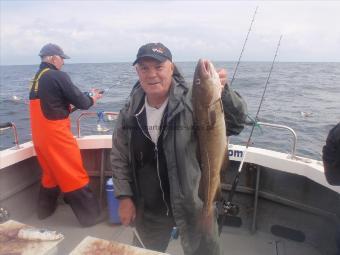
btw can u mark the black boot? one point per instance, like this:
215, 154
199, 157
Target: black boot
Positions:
47, 201
84, 205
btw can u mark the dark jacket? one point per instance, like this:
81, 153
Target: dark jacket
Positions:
331, 156
56, 92
179, 143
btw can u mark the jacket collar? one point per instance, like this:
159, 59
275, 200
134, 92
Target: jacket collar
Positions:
44, 65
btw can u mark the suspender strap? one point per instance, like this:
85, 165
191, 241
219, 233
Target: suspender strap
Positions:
35, 84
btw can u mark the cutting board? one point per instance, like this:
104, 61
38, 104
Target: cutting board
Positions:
91, 245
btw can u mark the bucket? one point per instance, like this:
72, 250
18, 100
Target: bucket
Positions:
112, 203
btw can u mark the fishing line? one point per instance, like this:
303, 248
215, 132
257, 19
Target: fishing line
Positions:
107, 89
228, 206
244, 45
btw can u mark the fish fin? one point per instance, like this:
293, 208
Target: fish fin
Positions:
218, 195
225, 164
204, 188
211, 116
208, 176
213, 108
206, 222
221, 105
224, 168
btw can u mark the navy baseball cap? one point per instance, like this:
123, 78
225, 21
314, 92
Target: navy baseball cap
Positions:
51, 49
153, 50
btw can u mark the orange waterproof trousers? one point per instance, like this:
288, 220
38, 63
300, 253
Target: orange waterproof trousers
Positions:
57, 151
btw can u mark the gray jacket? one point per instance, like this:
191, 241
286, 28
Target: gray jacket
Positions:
180, 147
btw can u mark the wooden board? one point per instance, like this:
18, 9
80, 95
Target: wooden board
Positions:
92, 246
11, 244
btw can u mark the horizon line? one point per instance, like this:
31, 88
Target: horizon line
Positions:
182, 61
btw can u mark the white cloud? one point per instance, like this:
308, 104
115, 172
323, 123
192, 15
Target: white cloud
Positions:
109, 31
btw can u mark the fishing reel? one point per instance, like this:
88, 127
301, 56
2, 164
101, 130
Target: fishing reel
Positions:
230, 209
4, 215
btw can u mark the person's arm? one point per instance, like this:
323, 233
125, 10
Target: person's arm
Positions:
235, 108
331, 156
72, 93
121, 172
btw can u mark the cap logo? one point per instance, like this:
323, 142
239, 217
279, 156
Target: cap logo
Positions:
158, 50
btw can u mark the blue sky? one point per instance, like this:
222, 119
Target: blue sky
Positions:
112, 31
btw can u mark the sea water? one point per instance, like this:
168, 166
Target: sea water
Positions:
303, 96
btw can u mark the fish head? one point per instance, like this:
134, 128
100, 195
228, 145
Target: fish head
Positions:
207, 84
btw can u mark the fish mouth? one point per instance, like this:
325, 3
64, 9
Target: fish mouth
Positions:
205, 69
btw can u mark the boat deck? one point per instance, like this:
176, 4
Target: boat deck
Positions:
235, 241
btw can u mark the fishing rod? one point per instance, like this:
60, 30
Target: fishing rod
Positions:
244, 45
103, 90
91, 94
229, 206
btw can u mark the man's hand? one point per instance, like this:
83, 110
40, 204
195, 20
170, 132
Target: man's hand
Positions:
127, 211
222, 73
95, 94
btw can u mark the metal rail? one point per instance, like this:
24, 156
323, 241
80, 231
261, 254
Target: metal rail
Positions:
102, 162
283, 127
282, 200
7, 125
92, 114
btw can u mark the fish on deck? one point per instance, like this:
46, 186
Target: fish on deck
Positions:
39, 234
19, 238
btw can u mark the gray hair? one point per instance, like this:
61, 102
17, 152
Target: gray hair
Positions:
46, 59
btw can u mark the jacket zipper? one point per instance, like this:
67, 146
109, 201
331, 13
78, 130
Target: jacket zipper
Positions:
157, 163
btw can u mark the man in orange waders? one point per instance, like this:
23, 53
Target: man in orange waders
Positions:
51, 96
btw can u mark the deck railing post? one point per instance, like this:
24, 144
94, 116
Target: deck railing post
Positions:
283, 127
256, 198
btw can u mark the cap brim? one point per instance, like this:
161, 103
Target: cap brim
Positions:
64, 56
157, 57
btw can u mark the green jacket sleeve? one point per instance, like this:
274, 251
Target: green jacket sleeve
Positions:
121, 170
235, 111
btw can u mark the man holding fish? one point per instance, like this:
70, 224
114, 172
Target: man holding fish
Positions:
169, 145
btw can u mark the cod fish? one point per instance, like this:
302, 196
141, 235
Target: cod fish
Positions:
211, 130
38, 234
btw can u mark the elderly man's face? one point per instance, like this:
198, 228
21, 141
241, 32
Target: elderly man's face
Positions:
154, 76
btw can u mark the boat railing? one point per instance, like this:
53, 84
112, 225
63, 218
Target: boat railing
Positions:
272, 125
277, 126
113, 116
8, 125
